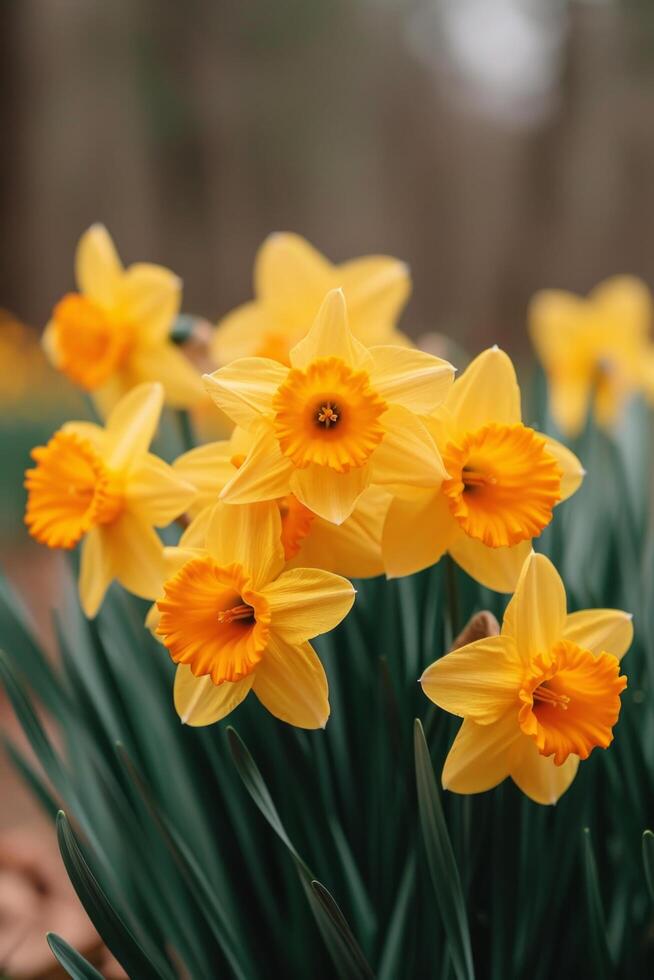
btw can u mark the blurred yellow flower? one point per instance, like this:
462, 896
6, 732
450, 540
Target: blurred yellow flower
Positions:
235, 621
503, 481
536, 699
291, 280
594, 348
114, 332
352, 548
340, 419
101, 486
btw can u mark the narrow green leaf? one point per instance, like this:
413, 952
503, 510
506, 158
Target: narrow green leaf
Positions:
73, 962
442, 863
110, 925
33, 781
648, 860
341, 932
599, 950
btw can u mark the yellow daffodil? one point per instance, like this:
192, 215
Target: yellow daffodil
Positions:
291, 280
235, 621
101, 486
536, 699
115, 332
592, 348
352, 548
340, 419
503, 481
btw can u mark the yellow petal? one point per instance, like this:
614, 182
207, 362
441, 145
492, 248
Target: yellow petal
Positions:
95, 572
407, 454
487, 391
307, 602
376, 289
352, 548
290, 682
536, 615
417, 532
156, 493
198, 701
327, 493
240, 334
600, 630
135, 554
569, 397
98, 270
537, 776
330, 336
167, 364
628, 302
573, 471
264, 475
557, 320
132, 424
195, 535
249, 535
479, 757
93, 433
410, 378
479, 681
291, 277
149, 297
496, 568
208, 468
245, 388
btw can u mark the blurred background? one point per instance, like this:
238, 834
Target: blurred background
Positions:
498, 146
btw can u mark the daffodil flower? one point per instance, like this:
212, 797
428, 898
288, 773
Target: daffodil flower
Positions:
536, 699
102, 487
503, 481
352, 548
291, 280
594, 349
115, 332
340, 419
235, 621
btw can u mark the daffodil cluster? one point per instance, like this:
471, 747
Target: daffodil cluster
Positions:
352, 454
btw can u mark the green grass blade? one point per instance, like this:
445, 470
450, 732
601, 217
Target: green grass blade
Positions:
32, 779
648, 860
599, 950
442, 864
73, 962
353, 962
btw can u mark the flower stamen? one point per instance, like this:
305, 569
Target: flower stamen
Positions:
241, 611
548, 696
327, 415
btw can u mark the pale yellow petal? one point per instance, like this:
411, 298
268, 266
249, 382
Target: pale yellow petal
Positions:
136, 555
306, 602
244, 389
376, 289
417, 532
249, 535
290, 682
479, 681
98, 270
264, 475
352, 548
149, 298
240, 334
208, 468
410, 378
600, 630
327, 493
291, 277
155, 493
536, 615
479, 757
487, 391
537, 776
330, 336
557, 321
628, 302
95, 434
198, 701
569, 399
496, 568
195, 535
407, 454
573, 471
132, 424
95, 573
166, 363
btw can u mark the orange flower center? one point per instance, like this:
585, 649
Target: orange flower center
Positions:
90, 344
213, 621
296, 524
503, 483
328, 415
69, 491
571, 701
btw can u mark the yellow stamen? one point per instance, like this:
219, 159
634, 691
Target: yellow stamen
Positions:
327, 415
236, 612
544, 694
90, 344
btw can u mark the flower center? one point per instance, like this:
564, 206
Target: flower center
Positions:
571, 701
329, 415
69, 491
90, 344
212, 620
503, 483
